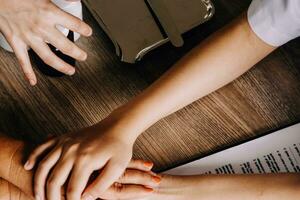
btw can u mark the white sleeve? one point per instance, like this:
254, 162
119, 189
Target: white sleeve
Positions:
275, 21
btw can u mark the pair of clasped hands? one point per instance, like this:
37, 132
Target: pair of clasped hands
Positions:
66, 164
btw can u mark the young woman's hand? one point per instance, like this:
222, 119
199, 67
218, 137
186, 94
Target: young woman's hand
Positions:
137, 182
30, 23
105, 146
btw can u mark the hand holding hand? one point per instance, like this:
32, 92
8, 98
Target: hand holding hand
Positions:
30, 23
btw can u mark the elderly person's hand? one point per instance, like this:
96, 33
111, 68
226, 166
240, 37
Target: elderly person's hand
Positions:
30, 23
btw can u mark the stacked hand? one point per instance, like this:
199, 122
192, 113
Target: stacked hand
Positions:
30, 23
74, 157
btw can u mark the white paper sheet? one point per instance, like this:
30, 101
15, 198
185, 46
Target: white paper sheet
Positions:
274, 153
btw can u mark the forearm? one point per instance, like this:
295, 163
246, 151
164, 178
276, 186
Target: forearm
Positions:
220, 59
230, 187
11, 164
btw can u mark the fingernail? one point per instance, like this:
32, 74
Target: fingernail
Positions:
37, 197
84, 56
87, 197
32, 82
71, 72
156, 179
152, 173
90, 32
27, 166
148, 189
148, 164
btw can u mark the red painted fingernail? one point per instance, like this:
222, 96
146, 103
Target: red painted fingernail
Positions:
148, 164
152, 173
148, 189
156, 179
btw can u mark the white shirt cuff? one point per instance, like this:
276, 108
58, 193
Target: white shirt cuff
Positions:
275, 21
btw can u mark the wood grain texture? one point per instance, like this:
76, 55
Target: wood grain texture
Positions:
264, 99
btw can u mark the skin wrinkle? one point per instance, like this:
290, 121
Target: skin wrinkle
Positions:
12, 169
13, 192
11, 160
10, 172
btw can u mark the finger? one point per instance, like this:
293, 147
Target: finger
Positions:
58, 40
59, 176
107, 177
140, 165
72, 23
120, 191
76, 185
139, 178
21, 52
43, 170
23, 58
45, 53
37, 152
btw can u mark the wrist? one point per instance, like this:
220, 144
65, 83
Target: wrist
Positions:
133, 119
125, 125
180, 188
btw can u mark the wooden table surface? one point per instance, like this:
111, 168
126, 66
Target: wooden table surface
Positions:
264, 99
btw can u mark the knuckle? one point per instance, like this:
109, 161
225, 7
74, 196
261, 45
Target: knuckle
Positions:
73, 193
47, 58
49, 184
77, 24
140, 175
80, 54
70, 190
32, 157
125, 175
43, 166
82, 160
138, 163
37, 26
84, 155
147, 177
143, 176
29, 75
121, 165
28, 37
9, 37
48, 11
72, 148
68, 48
52, 182
119, 168
119, 189
36, 185
83, 163
35, 152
